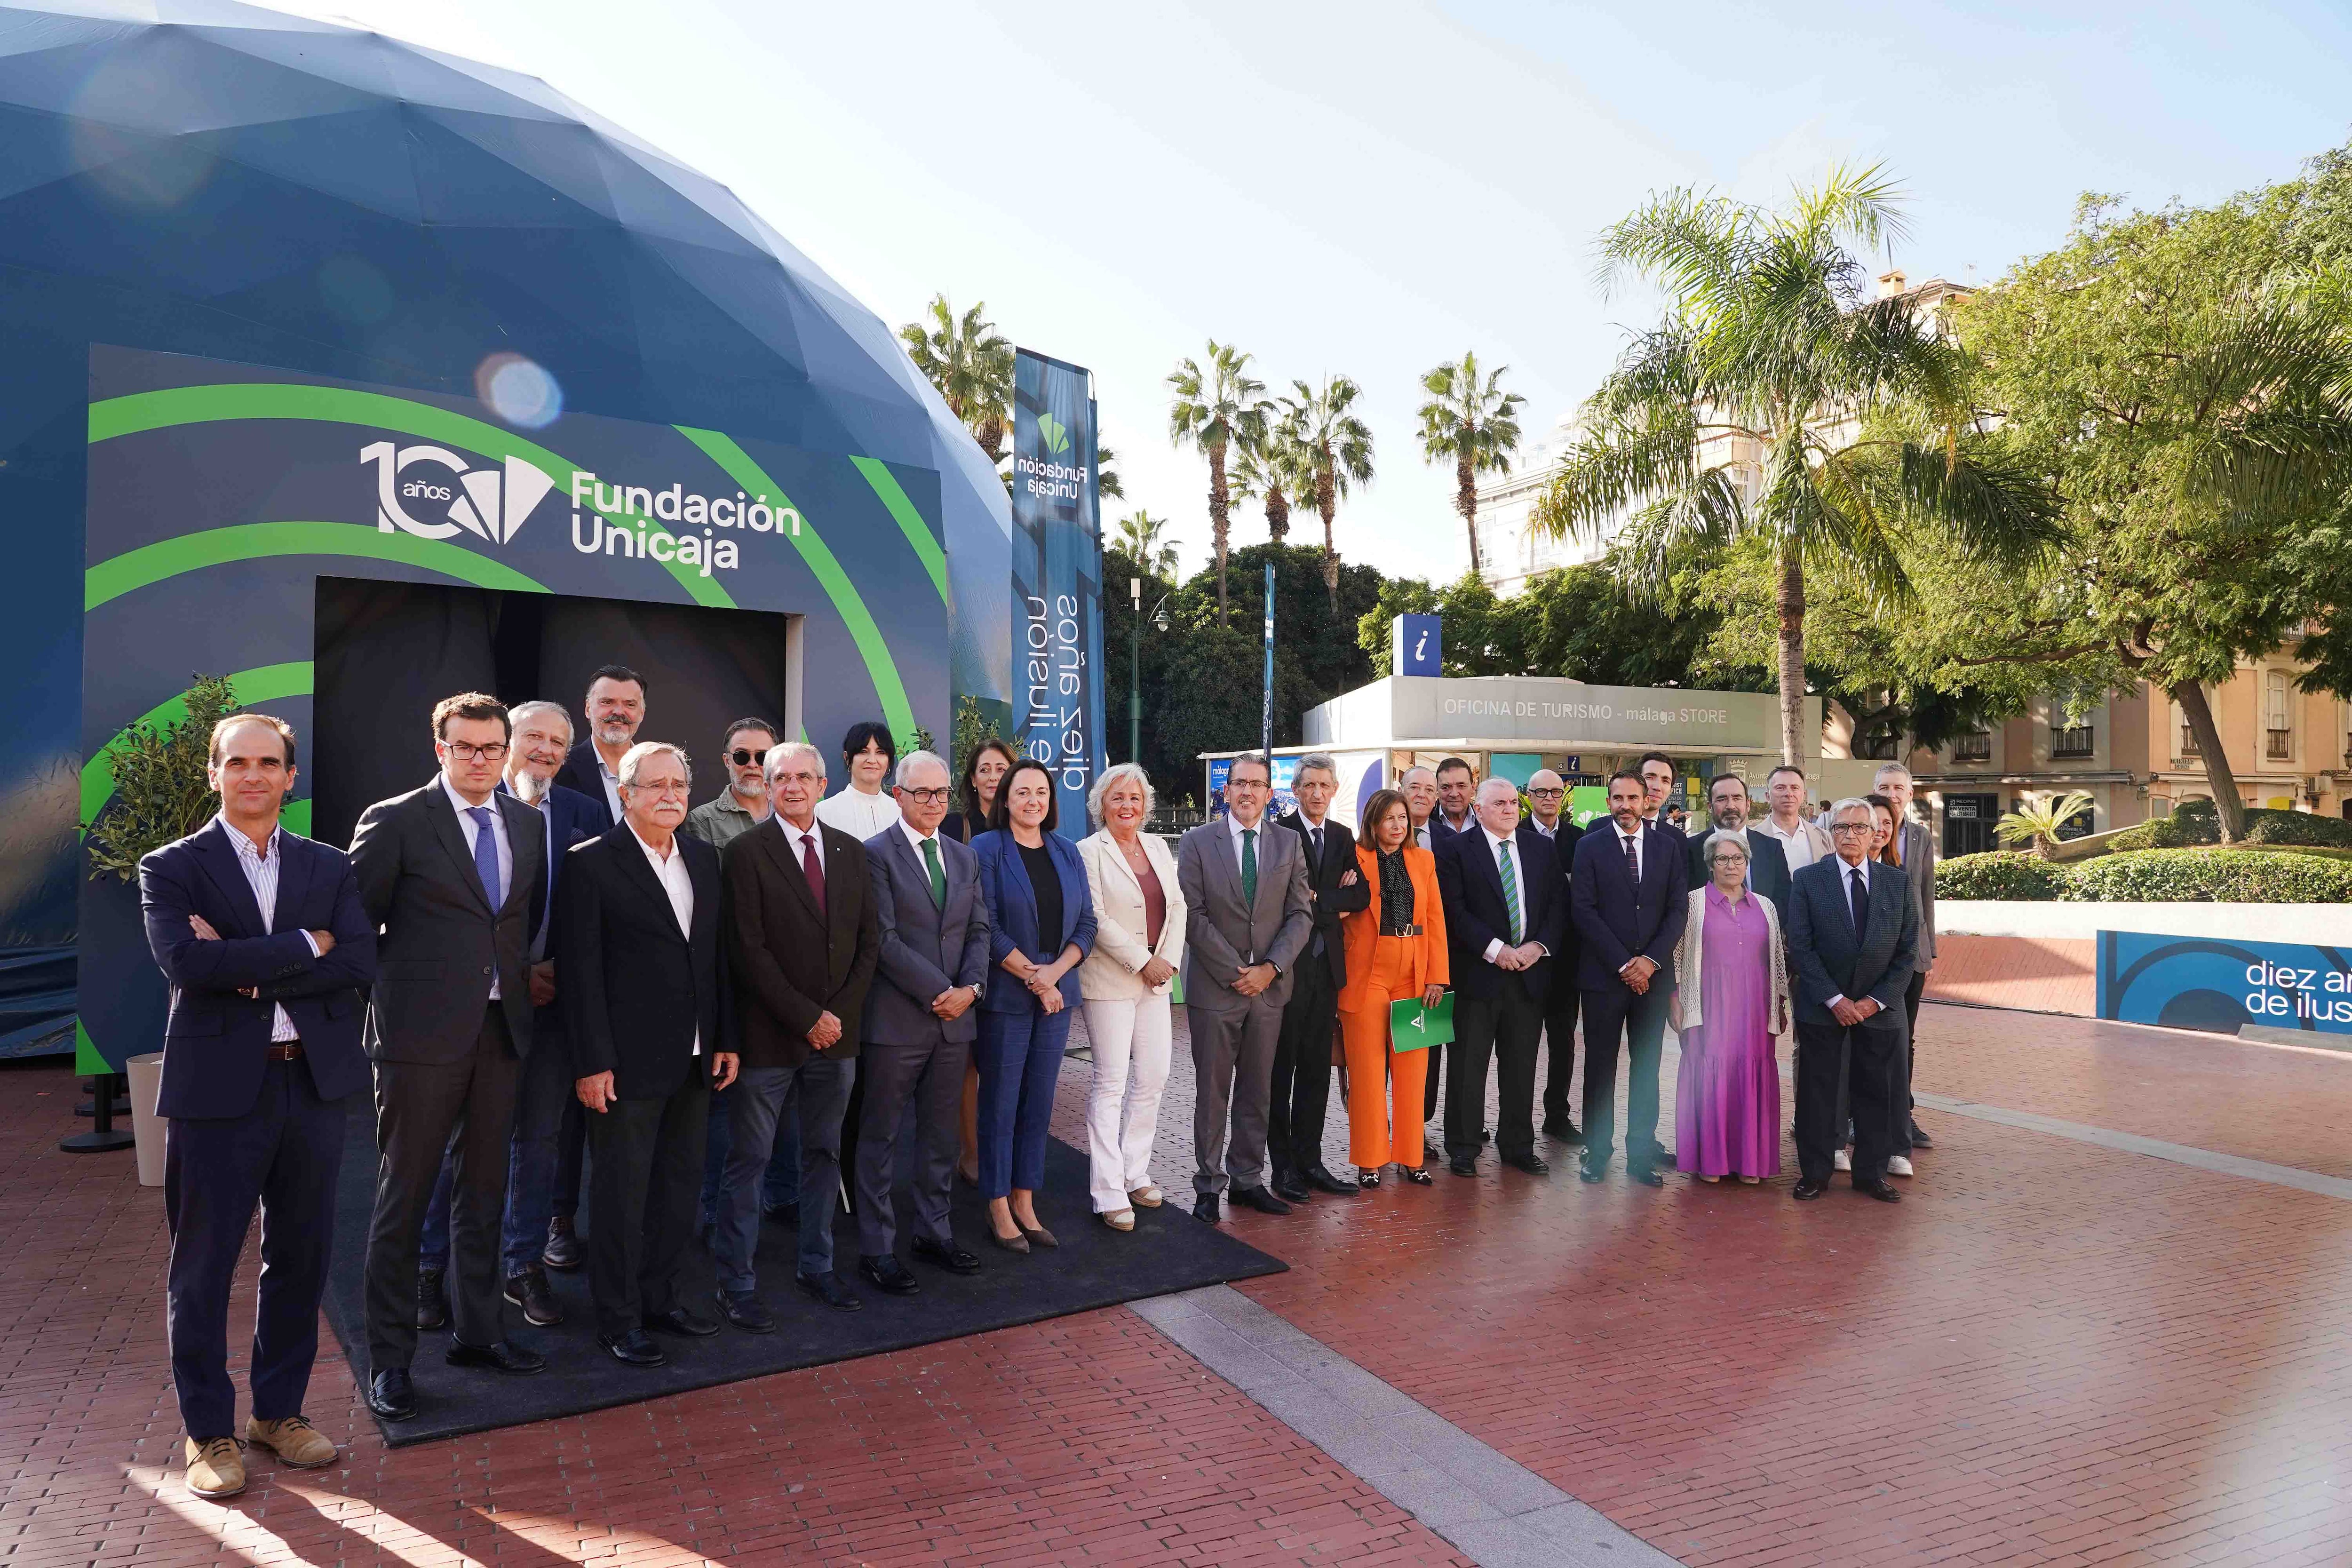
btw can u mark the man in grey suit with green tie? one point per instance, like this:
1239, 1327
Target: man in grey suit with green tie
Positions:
1247, 919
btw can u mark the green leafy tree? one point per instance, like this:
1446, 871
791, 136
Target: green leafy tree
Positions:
161, 793
1577, 622
1148, 546
1334, 447
2040, 820
975, 727
2185, 378
1213, 410
1776, 398
1475, 425
1107, 480
1273, 468
970, 364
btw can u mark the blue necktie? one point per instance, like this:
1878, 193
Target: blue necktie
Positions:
486, 856
1860, 887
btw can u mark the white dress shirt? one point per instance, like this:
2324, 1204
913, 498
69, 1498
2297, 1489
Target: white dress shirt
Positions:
1625, 839
469, 827
1796, 845
611, 782
857, 814
669, 870
261, 869
1420, 835
793, 838
1234, 825
918, 841
1503, 849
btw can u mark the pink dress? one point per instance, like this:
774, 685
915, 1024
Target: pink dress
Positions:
1728, 1094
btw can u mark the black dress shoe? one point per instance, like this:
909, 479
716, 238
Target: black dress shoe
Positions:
1290, 1186
1204, 1208
633, 1348
1919, 1138
1809, 1189
391, 1395
1463, 1166
432, 1299
1883, 1189
828, 1288
1258, 1198
1560, 1129
887, 1273
746, 1311
683, 1321
947, 1255
1533, 1164
500, 1355
1588, 1172
531, 1292
1647, 1176
1321, 1178
561, 1252
1417, 1175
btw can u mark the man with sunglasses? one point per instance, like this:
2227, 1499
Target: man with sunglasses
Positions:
742, 806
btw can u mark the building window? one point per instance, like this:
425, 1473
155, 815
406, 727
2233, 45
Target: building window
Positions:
2072, 741
1976, 748
2277, 723
2188, 735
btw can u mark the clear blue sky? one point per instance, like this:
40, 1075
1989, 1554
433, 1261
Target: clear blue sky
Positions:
1371, 187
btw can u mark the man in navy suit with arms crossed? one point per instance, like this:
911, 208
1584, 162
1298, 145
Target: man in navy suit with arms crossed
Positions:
263, 938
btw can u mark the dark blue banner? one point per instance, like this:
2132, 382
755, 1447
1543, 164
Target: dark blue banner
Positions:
2221, 985
1057, 698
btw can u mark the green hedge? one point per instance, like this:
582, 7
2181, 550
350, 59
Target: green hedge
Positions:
2197, 823
2208, 876
2011, 874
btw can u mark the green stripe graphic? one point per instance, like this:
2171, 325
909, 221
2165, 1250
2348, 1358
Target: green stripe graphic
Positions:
253, 541
910, 522
264, 683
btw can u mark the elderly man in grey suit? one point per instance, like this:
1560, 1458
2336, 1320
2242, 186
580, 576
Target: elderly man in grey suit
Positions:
454, 876
1248, 918
1914, 851
921, 1017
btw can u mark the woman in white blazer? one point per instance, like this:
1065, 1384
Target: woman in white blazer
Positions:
1125, 983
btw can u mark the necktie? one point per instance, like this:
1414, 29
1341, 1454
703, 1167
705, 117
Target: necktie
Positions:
813, 869
1510, 892
1633, 860
1859, 887
1249, 866
939, 873
1315, 836
486, 856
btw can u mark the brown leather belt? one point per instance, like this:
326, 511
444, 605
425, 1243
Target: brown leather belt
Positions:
1403, 931
282, 1051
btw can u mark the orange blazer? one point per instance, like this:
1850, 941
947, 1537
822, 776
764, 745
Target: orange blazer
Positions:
1361, 929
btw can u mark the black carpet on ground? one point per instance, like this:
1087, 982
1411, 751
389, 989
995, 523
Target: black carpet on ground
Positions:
1169, 1250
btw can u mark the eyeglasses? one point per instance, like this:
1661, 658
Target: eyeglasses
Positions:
743, 756
1853, 827
1547, 793
925, 796
666, 786
495, 752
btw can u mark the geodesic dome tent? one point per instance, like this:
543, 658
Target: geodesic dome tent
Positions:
206, 178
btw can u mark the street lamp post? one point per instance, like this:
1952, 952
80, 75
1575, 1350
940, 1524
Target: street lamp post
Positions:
1135, 664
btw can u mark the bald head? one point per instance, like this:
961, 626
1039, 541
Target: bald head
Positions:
1547, 793
1419, 786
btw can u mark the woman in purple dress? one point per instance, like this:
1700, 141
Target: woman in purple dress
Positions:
1730, 1005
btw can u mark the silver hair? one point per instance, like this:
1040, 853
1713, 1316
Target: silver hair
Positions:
1490, 780
784, 752
1416, 768
1886, 768
1724, 835
911, 758
1853, 803
1110, 776
636, 756
1323, 760
521, 711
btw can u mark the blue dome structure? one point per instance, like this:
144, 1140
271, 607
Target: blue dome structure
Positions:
204, 178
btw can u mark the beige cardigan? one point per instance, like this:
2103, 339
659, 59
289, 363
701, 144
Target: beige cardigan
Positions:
1685, 1004
1112, 971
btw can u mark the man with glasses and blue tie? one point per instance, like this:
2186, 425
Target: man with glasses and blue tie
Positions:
454, 876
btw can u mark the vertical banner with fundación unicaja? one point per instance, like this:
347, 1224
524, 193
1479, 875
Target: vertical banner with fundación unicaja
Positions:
1057, 696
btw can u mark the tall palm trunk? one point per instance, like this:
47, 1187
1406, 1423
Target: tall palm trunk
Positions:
1218, 520
1277, 514
1465, 498
1792, 657
2227, 807
1327, 501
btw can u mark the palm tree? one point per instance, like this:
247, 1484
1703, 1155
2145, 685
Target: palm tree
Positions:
1140, 537
1775, 400
2038, 819
1273, 470
1339, 453
1106, 477
1474, 423
1215, 409
970, 363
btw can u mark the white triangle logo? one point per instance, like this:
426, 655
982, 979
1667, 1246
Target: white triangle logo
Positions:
526, 487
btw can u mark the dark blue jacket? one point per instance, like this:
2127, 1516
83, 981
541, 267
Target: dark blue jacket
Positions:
1471, 885
571, 818
1618, 921
213, 1043
1012, 917
1828, 958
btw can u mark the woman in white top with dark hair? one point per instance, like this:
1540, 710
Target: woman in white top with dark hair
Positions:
1126, 984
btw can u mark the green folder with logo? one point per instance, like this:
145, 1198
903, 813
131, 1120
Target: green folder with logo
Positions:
1414, 1027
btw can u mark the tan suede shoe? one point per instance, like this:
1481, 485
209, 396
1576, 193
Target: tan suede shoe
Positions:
1119, 1219
216, 1469
293, 1440
1149, 1197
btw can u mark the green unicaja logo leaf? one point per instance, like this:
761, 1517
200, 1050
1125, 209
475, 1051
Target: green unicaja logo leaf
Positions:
1054, 432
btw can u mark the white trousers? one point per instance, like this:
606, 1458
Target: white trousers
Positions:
1131, 1043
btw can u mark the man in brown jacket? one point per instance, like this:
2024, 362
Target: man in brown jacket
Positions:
802, 942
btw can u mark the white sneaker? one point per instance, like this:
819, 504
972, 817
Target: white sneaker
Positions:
1842, 1161
1898, 1164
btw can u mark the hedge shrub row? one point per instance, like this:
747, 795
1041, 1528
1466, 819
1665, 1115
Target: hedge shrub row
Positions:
2152, 875
2197, 823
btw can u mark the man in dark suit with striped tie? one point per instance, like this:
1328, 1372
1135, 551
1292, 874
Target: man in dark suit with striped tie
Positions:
1627, 898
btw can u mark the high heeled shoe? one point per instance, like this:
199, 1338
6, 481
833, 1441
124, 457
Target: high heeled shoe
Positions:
1367, 1180
1417, 1174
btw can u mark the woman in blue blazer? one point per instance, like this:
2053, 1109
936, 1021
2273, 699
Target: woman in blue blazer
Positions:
1041, 926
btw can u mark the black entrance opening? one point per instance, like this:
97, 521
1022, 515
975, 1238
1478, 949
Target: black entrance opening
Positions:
386, 652
1969, 822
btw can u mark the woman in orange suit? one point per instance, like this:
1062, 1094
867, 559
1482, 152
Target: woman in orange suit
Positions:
1396, 950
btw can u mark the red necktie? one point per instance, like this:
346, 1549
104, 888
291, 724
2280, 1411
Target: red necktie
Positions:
813, 869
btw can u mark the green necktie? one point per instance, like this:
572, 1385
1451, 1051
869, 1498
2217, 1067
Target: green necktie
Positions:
1249, 866
939, 873
1510, 892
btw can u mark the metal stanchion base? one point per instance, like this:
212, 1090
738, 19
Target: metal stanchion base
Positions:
95, 1143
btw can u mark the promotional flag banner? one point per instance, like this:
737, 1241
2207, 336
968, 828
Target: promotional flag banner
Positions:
1057, 698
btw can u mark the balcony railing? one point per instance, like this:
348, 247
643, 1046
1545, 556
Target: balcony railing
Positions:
1975, 748
2075, 741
